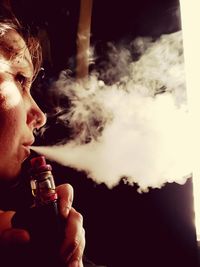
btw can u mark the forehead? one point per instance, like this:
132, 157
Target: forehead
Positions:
14, 50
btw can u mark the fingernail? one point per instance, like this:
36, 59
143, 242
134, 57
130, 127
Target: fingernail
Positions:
74, 264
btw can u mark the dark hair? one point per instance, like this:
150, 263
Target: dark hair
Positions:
8, 21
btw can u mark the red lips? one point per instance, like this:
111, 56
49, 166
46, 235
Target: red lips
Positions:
26, 146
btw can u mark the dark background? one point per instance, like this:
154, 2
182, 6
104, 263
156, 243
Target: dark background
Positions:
123, 228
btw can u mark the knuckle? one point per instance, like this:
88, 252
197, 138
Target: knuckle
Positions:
76, 242
83, 235
70, 191
75, 245
65, 191
79, 246
83, 231
78, 216
69, 187
66, 187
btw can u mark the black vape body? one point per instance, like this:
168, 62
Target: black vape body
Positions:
42, 221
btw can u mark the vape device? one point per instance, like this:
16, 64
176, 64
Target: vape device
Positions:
42, 220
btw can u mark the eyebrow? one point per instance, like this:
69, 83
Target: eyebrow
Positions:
11, 54
5, 50
11, 51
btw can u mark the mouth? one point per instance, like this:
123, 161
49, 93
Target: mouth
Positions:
26, 148
29, 142
27, 151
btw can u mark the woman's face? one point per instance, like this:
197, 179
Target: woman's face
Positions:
19, 114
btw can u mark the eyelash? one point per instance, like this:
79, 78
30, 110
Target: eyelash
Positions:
24, 81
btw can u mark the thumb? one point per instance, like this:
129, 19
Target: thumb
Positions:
14, 236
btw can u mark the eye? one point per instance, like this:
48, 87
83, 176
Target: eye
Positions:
22, 80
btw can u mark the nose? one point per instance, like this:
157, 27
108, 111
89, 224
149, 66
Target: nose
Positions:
35, 117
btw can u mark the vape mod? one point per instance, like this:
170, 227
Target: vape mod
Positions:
42, 220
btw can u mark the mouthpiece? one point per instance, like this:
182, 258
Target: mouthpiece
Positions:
38, 164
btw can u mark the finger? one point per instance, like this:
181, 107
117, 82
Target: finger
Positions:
77, 255
74, 240
14, 236
76, 263
65, 195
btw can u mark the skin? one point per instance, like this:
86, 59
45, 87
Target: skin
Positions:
19, 116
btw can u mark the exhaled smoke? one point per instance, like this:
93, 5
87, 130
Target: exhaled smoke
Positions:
137, 128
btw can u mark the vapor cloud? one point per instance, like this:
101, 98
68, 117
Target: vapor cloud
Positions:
136, 128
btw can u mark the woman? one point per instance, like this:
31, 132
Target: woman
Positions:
20, 60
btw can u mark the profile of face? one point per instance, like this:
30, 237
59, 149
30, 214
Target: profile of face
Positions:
19, 114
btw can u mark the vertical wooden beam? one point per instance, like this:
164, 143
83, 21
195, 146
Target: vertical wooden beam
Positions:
83, 39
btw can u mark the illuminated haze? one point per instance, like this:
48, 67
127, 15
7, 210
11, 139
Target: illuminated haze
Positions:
137, 128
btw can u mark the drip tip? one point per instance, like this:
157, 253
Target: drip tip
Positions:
38, 164
38, 161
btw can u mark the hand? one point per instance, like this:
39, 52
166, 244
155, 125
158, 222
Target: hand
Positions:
8, 235
73, 243
74, 239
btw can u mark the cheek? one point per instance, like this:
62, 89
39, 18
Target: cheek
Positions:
10, 96
12, 122
11, 110
12, 132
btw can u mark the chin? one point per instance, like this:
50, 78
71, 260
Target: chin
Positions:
9, 176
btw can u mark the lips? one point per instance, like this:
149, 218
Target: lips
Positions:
26, 151
28, 143
26, 147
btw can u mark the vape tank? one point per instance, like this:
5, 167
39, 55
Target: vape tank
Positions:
42, 183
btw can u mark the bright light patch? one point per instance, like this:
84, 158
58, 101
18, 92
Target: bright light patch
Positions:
11, 94
190, 13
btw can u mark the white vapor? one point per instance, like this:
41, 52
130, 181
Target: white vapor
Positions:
137, 128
